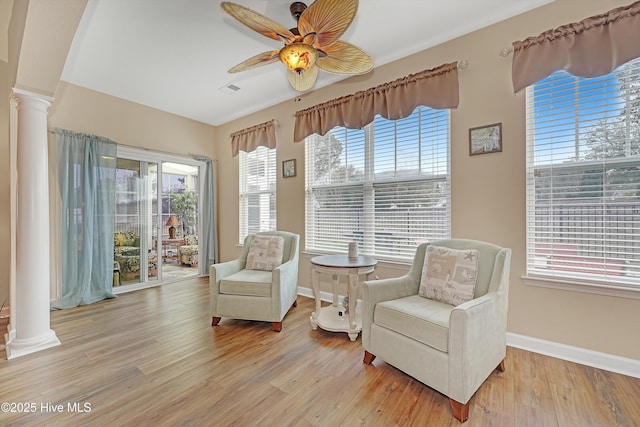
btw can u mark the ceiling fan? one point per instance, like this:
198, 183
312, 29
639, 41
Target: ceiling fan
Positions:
311, 46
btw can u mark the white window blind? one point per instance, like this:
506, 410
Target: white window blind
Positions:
386, 186
583, 177
257, 191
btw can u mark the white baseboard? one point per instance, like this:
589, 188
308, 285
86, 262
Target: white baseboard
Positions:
583, 356
306, 292
608, 362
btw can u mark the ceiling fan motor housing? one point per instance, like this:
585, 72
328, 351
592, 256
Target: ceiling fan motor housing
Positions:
296, 8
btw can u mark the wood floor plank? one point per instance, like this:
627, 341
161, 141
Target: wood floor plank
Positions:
151, 358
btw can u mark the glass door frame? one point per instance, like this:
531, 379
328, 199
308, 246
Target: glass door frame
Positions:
157, 158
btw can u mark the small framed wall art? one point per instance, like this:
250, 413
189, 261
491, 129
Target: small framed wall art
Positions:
288, 168
485, 139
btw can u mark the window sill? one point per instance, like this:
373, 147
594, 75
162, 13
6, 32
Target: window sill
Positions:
601, 288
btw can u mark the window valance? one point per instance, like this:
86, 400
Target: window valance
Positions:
251, 138
435, 88
592, 47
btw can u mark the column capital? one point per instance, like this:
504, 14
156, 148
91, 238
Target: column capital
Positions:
22, 94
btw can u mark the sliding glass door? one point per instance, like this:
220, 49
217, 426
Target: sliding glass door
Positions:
134, 252
180, 220
156, 220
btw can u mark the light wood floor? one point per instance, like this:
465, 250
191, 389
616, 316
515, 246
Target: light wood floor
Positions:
151, 358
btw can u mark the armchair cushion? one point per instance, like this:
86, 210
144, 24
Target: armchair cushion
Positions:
126, 251
247, 282
265, 252
449, 275
422, 319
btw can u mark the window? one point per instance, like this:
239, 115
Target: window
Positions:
257, 191
386, 186
583, 177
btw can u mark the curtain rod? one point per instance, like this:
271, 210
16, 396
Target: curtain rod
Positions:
151, 150
506, 51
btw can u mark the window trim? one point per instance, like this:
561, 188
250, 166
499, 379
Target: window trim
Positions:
612, 289
556, 279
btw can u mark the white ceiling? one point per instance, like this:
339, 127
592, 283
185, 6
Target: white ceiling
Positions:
173, 55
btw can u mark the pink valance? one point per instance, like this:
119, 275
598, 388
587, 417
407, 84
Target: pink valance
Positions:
435, 88
250, 138
592, 47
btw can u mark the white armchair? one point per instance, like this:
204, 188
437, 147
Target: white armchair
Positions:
256, 294
452, 349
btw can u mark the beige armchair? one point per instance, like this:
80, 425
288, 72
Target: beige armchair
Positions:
255, 292
452, 349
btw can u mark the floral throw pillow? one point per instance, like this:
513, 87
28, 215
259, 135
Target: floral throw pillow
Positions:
191, 239
449, 275
124, 238
265, 253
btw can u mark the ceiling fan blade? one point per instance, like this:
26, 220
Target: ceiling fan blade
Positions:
329, 19
258, 22
259, 60
344, 58
305, 80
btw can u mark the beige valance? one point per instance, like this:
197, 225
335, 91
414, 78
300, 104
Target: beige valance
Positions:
250, 138
592, 47
435, 88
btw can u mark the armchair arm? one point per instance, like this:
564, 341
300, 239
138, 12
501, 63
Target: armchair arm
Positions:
284, 284
218, 272
224, 269
477, 343
375, 291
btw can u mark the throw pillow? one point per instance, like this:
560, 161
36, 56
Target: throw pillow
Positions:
125, 238
191, 239
120, 239
449, 275
265, 252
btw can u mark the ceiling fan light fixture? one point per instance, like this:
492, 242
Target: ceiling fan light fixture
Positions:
298, 57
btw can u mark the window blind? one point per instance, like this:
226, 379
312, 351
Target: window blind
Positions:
257, 191
386, 186
583, 176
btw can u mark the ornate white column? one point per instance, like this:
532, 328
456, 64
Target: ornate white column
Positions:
31, 329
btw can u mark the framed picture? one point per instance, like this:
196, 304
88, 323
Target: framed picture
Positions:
289, 168
485, 139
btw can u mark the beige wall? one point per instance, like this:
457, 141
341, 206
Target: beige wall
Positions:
5, 189
127, 123
83, 110
488, 192
33, 59
7, 73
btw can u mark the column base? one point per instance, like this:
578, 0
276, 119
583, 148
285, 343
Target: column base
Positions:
21, 347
